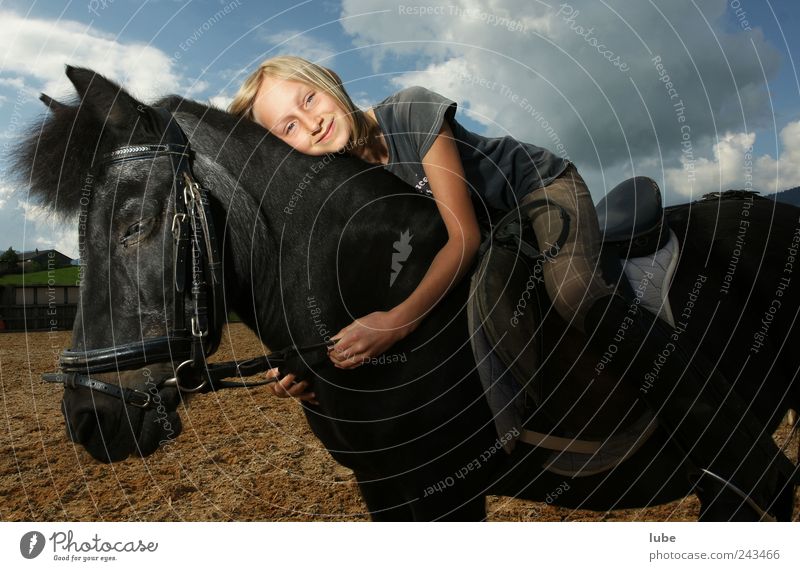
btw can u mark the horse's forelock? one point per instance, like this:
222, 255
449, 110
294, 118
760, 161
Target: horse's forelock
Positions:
54, 159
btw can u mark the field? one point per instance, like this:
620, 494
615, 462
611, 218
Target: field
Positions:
242, 456
60, 277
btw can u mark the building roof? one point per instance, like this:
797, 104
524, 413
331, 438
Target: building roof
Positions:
23, 256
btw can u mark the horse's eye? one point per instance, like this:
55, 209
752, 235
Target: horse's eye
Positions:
135, 232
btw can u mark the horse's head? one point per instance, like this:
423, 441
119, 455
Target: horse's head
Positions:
109, 160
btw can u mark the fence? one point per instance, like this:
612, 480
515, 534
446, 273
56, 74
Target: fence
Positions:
37, 317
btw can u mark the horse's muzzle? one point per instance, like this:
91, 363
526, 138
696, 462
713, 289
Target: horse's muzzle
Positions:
111, 430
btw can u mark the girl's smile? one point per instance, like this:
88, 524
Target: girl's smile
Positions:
328, 130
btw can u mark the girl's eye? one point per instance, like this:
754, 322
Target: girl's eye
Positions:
289, 128
309, 99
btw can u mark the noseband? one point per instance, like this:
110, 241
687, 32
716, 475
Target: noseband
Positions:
198, 307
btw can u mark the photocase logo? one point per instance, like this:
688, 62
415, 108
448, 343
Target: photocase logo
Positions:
402, 251
31, 544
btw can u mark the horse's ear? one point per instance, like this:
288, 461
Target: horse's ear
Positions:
108, 101
53, 105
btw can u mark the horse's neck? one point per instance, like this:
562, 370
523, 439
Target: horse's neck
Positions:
278, 276
250, 251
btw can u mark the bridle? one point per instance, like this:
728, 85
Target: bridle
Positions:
197, 287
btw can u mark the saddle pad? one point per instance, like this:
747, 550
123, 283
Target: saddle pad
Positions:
651, 276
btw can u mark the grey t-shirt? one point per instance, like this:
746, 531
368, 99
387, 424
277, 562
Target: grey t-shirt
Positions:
499, 170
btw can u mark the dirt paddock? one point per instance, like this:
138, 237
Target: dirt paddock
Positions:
242, 456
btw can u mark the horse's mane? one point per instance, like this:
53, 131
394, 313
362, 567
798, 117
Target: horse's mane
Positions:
56, 158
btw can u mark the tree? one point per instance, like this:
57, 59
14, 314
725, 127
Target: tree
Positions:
10, 258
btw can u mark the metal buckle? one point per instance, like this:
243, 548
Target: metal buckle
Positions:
177, 220
188, 197
196, 332
148, 399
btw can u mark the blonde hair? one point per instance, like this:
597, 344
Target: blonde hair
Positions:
363, 131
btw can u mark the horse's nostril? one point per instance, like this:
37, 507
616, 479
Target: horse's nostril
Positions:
84, 426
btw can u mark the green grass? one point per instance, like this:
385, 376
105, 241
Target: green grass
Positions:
61, 277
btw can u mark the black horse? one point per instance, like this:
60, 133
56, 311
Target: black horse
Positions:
305, 244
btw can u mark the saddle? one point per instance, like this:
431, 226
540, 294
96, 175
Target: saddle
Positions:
515, 332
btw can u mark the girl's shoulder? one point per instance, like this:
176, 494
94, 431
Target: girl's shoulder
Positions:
415, 108
416, 95
412, 118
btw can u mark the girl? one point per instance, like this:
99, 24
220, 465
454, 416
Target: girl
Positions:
414, 134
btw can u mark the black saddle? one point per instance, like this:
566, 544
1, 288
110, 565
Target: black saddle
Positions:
631, 218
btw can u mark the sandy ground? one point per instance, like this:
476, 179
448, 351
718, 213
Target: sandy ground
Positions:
242, 456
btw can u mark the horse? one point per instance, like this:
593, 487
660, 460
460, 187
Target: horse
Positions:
186, 213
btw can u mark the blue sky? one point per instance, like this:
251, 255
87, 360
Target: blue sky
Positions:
581, 76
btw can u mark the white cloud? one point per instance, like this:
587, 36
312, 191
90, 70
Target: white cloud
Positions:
220, 101
44, 230
5, 193
733, 166
15, 82
302, 44
33, 212
36, 50
196, 87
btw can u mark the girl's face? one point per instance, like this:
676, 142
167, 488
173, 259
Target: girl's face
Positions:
307, 118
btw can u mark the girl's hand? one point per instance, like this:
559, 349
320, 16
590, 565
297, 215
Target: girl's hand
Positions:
367, 337
289, 387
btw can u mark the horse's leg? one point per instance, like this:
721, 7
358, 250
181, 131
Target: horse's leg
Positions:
455, 493
387, 502
694, 401
718, 506
449, 505
384, 501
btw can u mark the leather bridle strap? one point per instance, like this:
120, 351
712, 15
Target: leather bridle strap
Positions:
125, 356
214, 375
132, 397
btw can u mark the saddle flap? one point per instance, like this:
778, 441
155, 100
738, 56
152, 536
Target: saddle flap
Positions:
505, 297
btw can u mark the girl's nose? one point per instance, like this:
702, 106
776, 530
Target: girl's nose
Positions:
312, 123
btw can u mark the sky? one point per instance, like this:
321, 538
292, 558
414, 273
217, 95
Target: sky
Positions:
701, 95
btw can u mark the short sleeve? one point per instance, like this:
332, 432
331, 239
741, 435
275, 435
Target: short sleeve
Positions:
419, 113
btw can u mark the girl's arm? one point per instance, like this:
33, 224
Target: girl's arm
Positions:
373, 334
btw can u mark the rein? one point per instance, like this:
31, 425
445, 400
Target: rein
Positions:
198, 307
